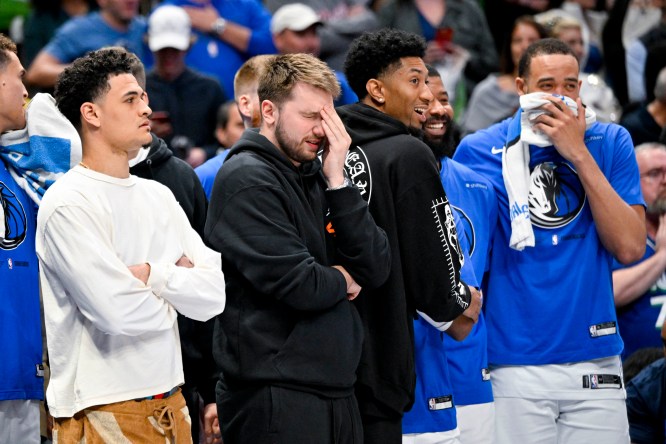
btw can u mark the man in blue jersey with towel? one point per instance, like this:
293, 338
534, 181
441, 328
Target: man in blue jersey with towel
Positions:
569, 202
21, 370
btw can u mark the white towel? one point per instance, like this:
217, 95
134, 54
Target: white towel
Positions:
41, 152
516, 161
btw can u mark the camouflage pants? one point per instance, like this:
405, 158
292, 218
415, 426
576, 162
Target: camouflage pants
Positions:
147, 421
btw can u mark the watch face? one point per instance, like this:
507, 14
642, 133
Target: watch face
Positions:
219, 25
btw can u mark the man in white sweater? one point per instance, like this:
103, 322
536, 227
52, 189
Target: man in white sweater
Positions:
118, 260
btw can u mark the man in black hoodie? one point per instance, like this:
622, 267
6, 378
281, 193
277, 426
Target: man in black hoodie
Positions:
298, 243
398, 176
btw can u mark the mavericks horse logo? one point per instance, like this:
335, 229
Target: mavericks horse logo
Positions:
15, 220
556, 196
468, 227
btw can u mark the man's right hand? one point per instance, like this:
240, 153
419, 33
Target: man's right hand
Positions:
475, 305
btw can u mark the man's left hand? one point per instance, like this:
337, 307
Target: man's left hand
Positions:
338, 142
202, 18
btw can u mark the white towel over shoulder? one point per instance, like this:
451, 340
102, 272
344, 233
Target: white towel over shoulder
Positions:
516, 162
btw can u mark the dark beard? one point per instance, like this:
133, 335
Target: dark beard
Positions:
447, 146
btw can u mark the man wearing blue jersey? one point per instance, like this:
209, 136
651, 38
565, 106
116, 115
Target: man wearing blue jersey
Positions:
475, 206
21, 371
117, 23
569, 201
640, 288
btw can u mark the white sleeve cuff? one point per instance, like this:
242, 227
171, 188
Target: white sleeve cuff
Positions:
441, 326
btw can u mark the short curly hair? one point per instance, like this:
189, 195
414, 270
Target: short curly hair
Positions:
373, 55
87, 79
6, 46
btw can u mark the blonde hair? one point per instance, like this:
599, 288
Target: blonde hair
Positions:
247, 76
285, 71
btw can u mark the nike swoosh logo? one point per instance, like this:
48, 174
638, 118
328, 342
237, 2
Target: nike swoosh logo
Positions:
494, 150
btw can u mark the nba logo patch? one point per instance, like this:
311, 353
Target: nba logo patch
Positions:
603, 329
440, 402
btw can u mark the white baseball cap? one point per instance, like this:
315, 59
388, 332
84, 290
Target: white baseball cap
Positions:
169, 27
294, 16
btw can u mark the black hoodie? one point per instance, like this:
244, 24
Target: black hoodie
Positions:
287, 321
399, 177
179, 177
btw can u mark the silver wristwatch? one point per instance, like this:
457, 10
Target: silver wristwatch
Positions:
346, 184
218, 26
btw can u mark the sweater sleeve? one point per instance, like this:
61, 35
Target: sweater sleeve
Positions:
197, 292
254, 231
362, 247
76, 251
428, 242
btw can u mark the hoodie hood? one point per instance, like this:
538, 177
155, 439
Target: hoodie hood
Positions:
159, 153
366, 124
254, 142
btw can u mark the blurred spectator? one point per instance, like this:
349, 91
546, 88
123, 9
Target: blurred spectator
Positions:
228, 33
342, 21
246, 82
294, 28
646, 123
229, 125
646, 403
636, 57
592, 16
447, 26
502, 13
117, 23
47, 16
593, 90
654, 62
614, 50
638, 360
496, 98
229, 129
184, 102
640, 288
640, 17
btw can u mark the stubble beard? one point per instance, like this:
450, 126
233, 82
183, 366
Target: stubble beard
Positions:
290, 147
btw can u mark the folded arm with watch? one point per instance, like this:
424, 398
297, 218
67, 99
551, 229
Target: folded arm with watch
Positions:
207, 19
